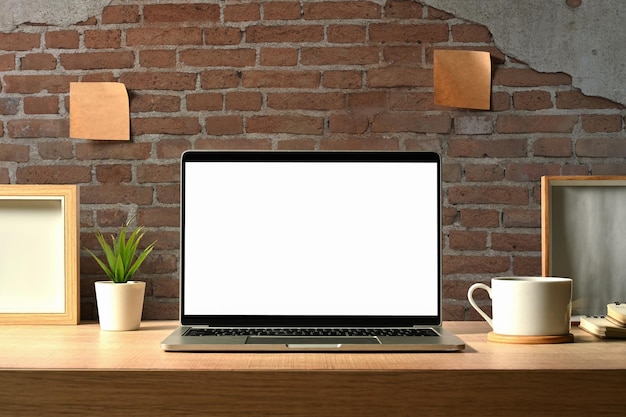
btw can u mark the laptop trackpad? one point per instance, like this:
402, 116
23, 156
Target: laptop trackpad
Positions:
315, 341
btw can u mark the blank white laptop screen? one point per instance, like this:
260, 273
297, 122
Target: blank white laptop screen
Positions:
281, 238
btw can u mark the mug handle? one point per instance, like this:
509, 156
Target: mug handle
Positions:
473, 303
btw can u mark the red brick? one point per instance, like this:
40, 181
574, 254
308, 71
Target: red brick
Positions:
532, 100
593, 123
172, 148
168, 194
242, 12
177, 13
100, 39
294, 124
601, 148
106, 76
596, 169
161, 216
98, 60
114, 173
165, 125
370, 102
281, 79
399, 9
404, 33
475, 264
525, 218
484, 173
157, 59
141, 103
53, 174
448, 216
488, 194
479, 217
284, 33
224, 125
18, 41
219, 79
38, 128
346, 33
158, 173
55, 150
204, 101
63, 39
233, 143
282, 10
116, 194
324, 10
411, 122
296, 144
451, 172
282, 57
470, 33
244, 100
176, 81
424, 143
38, 62
527, 266
41, 105
473, 125
576, 100
218, 57
222, 36
348, 123
493, 148
31, 84
120, 14
532, 124
342, 79
553, 147
164, 36
356, 143
403, 55
530, 171
500, 101
7, 62
518, 77
407, 100
109, 150
14, 153
305, 101
349, 55
468, 240
399, 77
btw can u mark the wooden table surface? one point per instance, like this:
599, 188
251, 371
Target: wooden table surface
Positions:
80, 370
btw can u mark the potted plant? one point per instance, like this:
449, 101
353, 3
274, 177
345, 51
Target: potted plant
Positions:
120, 299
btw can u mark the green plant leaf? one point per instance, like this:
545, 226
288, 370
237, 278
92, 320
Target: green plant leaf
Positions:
119, 262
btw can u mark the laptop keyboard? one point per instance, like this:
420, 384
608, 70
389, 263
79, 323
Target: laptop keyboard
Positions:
309, 332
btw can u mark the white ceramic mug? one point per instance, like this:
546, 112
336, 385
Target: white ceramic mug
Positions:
527, 306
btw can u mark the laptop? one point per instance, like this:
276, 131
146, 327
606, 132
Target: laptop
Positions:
310, 251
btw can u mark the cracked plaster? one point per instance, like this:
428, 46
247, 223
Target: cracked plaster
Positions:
585, 42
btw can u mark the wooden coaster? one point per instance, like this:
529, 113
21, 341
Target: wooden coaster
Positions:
530, 340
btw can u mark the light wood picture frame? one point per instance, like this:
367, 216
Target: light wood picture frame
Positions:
39, 254
583, 228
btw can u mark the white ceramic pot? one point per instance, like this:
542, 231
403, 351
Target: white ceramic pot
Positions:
120, 304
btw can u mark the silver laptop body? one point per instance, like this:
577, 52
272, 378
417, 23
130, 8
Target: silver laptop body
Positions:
310, 251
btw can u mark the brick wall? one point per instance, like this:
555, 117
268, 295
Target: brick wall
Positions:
295, 75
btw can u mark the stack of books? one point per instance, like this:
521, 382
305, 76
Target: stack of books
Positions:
613, 325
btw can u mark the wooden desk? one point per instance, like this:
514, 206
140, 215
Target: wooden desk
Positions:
79, 370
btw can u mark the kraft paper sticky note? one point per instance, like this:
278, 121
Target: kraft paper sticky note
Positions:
462, 79
99, 110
